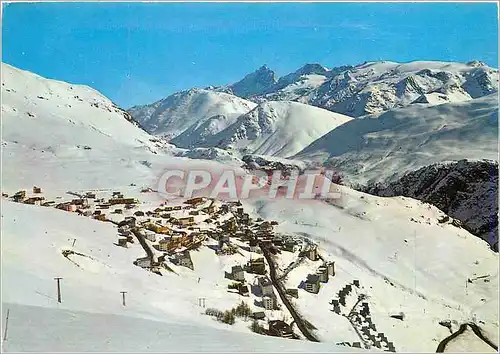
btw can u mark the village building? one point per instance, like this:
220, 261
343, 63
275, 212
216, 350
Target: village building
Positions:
100, 217
185, 221
223, 239
256, 266
194, 212
122, 241
268, 302
279, 328
266, 226
79, 201
230, 225
37, 190
210, 209
322, 274
158, 228
312, 284
245, 219
277, 241
118, 211
254, 245
90, 195
19, 196
243, 290
289, 246
32, 201
292, 292
312, 253
195, 201
239, 211
265, 285
177, 207
122, 200
139, 213
85, 212
331, 268
183, 259
237, 273
259, 315
144, 262
69, 207
163, 245
150, 236
97, 212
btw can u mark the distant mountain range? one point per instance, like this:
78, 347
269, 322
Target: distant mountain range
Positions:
412, 114
368, 88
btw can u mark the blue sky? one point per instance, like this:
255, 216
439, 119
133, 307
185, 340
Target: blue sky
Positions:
137, 53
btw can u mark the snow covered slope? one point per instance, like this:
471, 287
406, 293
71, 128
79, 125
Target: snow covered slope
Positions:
401, 140
465, 190
405, 259
41, 329
190, 109
38, 110
71, 137
278, 128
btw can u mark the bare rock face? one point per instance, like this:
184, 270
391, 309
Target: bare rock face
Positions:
465, 190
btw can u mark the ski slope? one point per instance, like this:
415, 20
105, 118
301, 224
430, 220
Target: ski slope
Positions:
70, 331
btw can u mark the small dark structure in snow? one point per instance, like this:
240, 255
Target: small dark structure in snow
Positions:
279, 328
399, 316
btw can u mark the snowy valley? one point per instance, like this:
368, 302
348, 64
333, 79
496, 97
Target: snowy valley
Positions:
361, 272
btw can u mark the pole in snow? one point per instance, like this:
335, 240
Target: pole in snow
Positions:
6, 325
58, 289
123, 297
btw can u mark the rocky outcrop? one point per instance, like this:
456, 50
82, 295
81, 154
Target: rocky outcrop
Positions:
465, 190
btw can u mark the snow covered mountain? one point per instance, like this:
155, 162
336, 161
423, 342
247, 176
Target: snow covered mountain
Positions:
277, 128
254, 83
376, 87
36, 110
465, 190
383, 148
198, 117
191, 109
65, 129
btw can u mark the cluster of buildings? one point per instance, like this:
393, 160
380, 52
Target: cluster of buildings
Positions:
313, 281
22, 197
82, 205
360, 317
